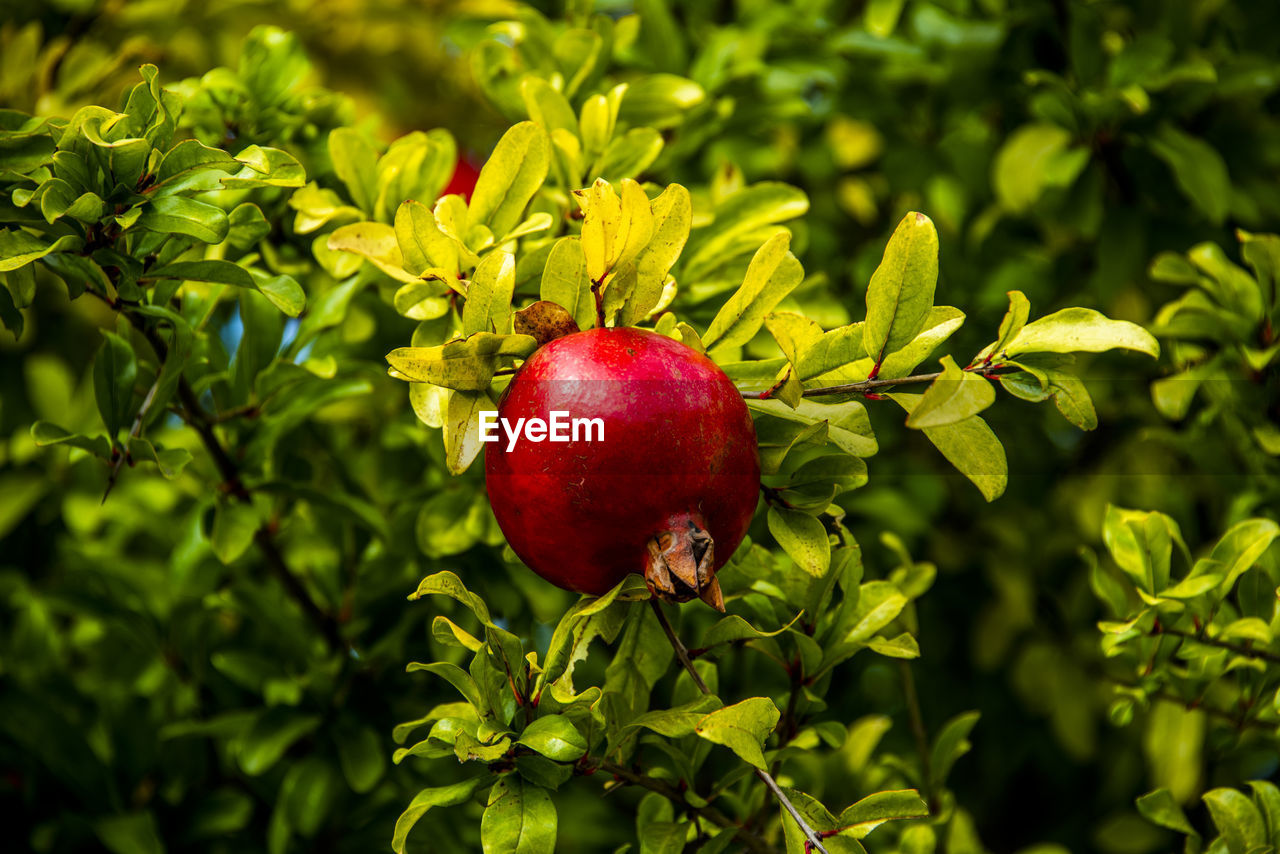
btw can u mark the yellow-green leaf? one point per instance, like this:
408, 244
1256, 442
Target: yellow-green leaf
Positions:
489, 295
466, 364
901, 290
742, 728
952, 397
773, 274
510, 178
565, 281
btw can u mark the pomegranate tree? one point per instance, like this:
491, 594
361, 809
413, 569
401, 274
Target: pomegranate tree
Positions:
668, 490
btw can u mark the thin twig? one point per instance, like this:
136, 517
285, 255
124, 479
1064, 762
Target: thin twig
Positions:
813, 839
863, 387
1221, 714
194, 416
1221, 644
754, 843
919, 731
134, 432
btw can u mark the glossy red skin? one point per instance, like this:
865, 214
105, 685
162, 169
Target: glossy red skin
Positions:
678, 444
463, 180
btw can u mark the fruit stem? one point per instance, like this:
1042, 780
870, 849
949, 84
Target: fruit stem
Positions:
595, 292
813, 839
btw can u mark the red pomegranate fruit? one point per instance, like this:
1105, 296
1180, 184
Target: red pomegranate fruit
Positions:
664, 483
463, 180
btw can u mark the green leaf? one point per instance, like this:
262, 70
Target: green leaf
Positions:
672, 216
363, 756
734, 628
170, 461
547, 106
1034, 158
659, 100
271, 735
510, 178
115, 370
307, 794
180, 215
629, 155
466, 364
415, 166
423, 300
489, 295
423, 245
446, 583
131, 833
773, 274
440, 796
566, 283
462, 427
588, 617
679, 721
950, 744
18, 248
1160, 808
375, 242
1014, 319
803, 538
316, 207
1141, 543
1181, 770
848, 426
970, 446
1267, 796
1237, 819
519, 819
555, 738
1081, 330
454, 675
882, 17
742, 728
1198, 169
939, 324
901, 290
355, 162
879, 604
952, 397
742, 214
248, 226
1242, 545
192, 166
43, 433
902, 646
217, 271
234, 525
874, 810
1072, 399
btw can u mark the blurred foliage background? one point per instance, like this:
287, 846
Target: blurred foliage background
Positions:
153, 697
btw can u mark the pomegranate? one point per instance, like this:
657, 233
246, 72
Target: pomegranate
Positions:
463, 180
664, 483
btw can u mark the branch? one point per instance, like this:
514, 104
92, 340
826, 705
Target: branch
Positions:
863, 387
194, 416
1221, 644
918, 731
1240, 722
813, 839
134, 431
754, 843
